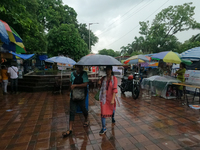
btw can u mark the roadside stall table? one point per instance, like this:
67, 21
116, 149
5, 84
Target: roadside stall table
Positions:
197, 87
160, 86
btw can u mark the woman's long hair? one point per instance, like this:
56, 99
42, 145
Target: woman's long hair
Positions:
110, 67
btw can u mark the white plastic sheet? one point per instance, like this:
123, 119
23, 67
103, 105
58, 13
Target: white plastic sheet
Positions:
160, 86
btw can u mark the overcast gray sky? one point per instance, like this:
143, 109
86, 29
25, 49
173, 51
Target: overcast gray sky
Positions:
119, 19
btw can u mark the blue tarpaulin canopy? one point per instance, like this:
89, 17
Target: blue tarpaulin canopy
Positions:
23, 56
193, 53
43, 57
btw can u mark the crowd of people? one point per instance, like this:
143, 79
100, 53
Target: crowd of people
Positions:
78, 83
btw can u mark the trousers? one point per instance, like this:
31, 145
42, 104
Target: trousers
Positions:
73, 108
103, 120
4, 85
14, 85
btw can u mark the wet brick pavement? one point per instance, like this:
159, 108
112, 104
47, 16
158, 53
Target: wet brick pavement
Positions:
36, 121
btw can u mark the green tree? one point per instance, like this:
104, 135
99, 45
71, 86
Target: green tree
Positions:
66, 40
21, 15
109, 52
123, 50
195, 38
136, 53
34, 19
160, 35
52, 13
15, 13
84, 33
194, 41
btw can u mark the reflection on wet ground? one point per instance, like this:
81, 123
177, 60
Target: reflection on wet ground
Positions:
36, 121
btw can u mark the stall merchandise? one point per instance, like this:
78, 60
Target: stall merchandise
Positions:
161, 86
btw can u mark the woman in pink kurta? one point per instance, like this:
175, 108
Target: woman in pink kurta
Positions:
107, 97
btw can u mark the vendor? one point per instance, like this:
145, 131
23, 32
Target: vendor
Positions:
181, 73
167, 71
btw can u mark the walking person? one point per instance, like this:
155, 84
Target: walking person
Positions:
4, 76
107, 97
13, 73
78, 82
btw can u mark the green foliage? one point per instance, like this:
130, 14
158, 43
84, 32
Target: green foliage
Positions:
109, 52
188, 45
35, 20
52, 13
84, 33
21, 15
136, 53
66, 40
160, 35
195, 38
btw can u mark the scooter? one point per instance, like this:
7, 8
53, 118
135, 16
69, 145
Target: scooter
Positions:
131, 84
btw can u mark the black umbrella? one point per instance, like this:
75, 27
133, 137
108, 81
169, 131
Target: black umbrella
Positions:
98, 60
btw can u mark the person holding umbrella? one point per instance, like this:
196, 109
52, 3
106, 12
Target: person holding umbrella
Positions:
107, 97
78, 80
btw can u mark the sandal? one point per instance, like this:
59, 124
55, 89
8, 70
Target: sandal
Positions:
67, 133
86, 124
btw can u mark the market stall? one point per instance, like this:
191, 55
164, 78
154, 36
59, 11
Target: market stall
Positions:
160, 86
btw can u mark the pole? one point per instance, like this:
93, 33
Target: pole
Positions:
89, 36
61, 82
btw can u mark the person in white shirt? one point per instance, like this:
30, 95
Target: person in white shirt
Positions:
13, 73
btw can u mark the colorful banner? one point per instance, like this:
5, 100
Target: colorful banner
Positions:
64, 65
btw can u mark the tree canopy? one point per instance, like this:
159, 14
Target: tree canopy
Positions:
109, 52
160, 35
66, 40
37, 20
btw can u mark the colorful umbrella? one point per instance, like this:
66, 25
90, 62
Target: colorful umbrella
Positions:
3, 34
15, 43
136, 59
170, 57
14, 47
13, 36
160, 55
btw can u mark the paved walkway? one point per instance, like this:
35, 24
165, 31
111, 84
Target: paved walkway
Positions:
36, 121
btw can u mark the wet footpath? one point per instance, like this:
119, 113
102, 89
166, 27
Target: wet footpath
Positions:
36, 121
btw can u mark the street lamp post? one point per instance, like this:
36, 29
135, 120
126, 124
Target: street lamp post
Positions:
89, 34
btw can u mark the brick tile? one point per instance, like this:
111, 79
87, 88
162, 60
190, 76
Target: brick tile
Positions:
140, 138
21, 146
145, 123
42, 145
187, 142
24, 138
43, 135
171, 145
152, 147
